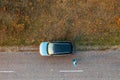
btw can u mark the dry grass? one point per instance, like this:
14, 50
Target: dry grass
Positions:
86, 22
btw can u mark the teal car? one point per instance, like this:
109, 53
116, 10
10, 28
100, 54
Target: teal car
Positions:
55, 48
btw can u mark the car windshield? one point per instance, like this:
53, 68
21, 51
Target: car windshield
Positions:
50, 48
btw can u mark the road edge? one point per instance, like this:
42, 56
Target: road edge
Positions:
36, 48
19, 49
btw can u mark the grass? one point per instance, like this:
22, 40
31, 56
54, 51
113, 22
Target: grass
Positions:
85, 22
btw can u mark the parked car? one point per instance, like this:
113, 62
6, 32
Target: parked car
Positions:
55, 48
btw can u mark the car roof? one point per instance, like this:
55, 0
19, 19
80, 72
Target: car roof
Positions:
62, 47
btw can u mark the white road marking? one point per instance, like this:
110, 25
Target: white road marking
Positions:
6, 71
51, 70
67, 71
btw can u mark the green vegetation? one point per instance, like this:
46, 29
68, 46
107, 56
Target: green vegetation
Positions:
86, 22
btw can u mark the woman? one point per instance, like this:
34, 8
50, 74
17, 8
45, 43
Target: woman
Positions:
75, 62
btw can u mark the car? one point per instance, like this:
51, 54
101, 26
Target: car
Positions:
55, 48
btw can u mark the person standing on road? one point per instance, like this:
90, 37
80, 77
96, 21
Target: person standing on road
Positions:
75, 62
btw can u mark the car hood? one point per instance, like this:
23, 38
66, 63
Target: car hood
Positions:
43, 48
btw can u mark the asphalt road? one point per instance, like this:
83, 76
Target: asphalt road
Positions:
92, 65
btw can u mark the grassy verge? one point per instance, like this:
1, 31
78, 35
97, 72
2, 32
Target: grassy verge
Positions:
86, 22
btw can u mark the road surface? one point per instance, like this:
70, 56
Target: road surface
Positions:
92, 65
